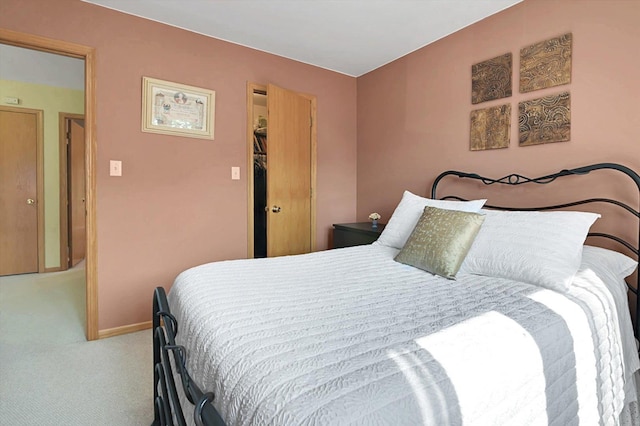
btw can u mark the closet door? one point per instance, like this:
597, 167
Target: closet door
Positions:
289, 176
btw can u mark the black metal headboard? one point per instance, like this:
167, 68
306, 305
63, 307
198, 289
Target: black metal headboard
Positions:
516, 179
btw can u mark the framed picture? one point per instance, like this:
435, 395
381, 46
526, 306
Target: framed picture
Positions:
177, 109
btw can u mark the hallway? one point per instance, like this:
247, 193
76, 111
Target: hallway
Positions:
47, 307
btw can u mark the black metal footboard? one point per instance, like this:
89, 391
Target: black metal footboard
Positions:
167, 408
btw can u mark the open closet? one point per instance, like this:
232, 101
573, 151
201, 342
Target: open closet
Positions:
259, 174
281, 173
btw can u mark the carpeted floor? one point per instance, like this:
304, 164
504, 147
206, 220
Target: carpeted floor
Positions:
49, 373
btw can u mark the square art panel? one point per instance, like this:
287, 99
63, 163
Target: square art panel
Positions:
490, 128
546, 64
491, 79
545, 120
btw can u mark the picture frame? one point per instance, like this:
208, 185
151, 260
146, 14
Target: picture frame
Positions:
177, 109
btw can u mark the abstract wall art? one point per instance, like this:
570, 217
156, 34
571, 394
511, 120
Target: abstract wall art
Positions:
545, 120
546, 64
490, 128
491, 79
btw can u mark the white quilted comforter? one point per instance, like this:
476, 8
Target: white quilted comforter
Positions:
350, 336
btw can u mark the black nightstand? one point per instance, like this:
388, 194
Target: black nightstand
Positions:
355, 234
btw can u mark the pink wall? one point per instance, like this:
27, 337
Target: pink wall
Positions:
413, 114
175, 205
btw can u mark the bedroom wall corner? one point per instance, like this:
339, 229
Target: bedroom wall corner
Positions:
414, 113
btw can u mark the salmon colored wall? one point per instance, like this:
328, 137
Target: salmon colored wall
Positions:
175, 205
413, 114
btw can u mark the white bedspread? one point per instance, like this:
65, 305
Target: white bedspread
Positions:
349, 336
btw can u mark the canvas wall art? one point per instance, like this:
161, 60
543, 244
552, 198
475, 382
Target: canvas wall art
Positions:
546, 64
490, 128
545, 120
491, 79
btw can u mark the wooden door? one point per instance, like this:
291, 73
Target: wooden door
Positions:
76, 187
288, 172
19, 140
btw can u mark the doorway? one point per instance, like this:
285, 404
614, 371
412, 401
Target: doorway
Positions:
87, 54
72, 189
281, 171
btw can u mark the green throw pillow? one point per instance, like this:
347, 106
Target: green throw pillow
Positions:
441, 240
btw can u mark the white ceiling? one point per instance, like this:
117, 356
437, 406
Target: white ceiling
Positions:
352, 37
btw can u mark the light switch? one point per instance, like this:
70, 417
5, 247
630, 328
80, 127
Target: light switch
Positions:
115, 168
235, 173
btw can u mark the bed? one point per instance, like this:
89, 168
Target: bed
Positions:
368, 335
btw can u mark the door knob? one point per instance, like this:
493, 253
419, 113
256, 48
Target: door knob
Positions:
31, 201
276, 209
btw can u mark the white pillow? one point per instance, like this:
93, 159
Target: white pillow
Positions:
542, 248
620, 265
406, 215
612, 267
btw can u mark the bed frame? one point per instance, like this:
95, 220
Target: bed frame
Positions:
167, 408
515, 179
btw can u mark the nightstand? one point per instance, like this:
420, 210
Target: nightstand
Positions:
355, 234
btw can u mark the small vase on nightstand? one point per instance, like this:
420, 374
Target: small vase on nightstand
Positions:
374, 219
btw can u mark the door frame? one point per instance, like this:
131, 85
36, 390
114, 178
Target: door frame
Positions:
64, 189
251, 88
39, 176
87, 53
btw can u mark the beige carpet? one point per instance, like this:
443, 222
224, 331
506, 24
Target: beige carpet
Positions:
49, 373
